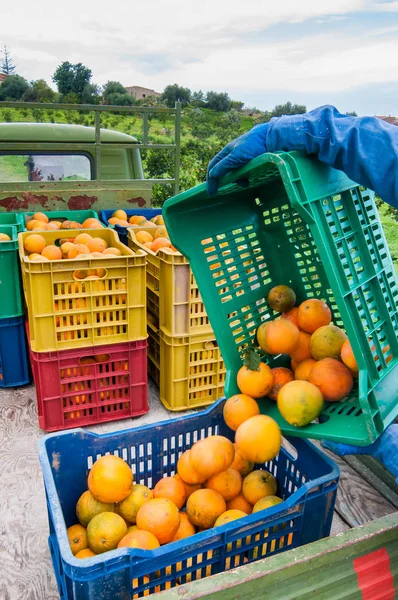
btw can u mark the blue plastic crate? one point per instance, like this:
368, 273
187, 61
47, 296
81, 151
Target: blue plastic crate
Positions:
307, 482
14, 365
148, 213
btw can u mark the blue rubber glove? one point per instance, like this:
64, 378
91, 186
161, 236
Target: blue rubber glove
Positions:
236, 154
385, 449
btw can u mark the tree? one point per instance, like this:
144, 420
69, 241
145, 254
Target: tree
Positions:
110, 88
120, 99
6, 65
352, 113
220, 102
90, 94
198, 99
13, 88
72, 79
39, 91
237, 105
288, 109
172, 93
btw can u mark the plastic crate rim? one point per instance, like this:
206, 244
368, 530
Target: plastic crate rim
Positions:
58, 517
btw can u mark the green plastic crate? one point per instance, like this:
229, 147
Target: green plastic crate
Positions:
11, 303
10, 218
64, 215
291, 220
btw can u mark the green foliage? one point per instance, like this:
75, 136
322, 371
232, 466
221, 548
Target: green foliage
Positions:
237, 105
72, 79
118, 99
13, 88
220, 102
112, 87
288, 109
172, 93
90, 94
6, 65
39, 91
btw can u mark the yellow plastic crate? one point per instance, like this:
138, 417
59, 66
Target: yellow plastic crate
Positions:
66, 311
189, 370
173, 295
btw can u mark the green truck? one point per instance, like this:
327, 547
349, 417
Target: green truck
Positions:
50, 166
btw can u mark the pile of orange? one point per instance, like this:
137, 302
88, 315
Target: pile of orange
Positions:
40, 222
84, 245
323, 366
119, 217
215, 484
154, 240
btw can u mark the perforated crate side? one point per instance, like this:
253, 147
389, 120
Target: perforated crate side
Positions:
66, 311
14, 364
192, 371
299, 223
11, 301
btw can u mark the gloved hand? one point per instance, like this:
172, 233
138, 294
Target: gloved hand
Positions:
385, 449
236, 154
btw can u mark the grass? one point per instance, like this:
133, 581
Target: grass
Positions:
391, 232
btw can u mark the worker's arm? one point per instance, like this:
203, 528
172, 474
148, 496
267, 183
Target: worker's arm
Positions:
365, 148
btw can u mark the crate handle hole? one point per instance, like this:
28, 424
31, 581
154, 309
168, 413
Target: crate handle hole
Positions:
88, 360
89, 274
101, 358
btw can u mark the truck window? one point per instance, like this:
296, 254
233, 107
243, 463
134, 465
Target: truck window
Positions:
44, 167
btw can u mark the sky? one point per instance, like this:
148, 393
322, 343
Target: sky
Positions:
262, 52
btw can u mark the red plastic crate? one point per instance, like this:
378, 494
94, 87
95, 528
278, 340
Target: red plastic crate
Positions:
76, 388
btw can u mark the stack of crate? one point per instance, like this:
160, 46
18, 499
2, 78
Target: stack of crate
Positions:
14, 365
87, 334
183, 356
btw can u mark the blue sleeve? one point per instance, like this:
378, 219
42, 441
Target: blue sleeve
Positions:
365, 148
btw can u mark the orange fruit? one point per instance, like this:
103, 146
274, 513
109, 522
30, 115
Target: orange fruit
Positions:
78, 249
204, 507
120, 214
37, 257
34, 243
65, 247
137, 220
39, 216
96, 244
97, 255
33, 223
293, 365
303, 369
86, 553
240, 503
171, 488
143, 236
291, 315
110, 479
189, 488
227, 483
129, 507
52, 252
258, 484
113, 221
212, 455
132, 528
266, 502
333, 379
327, 341
278, 337
123, 223
186, 471
241, 464
51, 227
239, 408
255, 383
282, 376
313, 314
228, 516
161, 517
161, 232
300, 402
83, 238
186, 529
4, 237
259, 438
158, 220
112, 251
57, 223
281, 298
302, 350
92, 223
105, 531
145, 540
348, 358
77, 536
148, 245
88, 507
160, 242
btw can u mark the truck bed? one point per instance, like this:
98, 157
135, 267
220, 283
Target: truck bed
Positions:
366, 492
